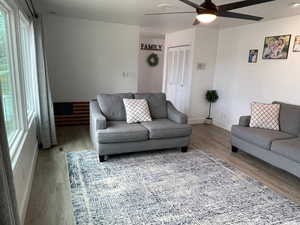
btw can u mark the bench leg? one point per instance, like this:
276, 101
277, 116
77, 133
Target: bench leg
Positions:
184, 149
234, 149
101, 158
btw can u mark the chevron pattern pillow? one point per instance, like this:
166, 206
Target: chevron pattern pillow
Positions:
137, 110
265, 116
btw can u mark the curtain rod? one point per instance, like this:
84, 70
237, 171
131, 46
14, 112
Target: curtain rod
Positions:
31, 8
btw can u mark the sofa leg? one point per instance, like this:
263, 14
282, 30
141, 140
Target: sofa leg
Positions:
184, 149
101, 158
234, 149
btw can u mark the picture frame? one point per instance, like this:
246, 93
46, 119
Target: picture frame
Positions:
296, 47
276, 47
253, 55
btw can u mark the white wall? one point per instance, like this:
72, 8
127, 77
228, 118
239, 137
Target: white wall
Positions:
150, 78
206, 41
240, 83
203, 42
86, 58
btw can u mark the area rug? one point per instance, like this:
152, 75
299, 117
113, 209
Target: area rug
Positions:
170, 187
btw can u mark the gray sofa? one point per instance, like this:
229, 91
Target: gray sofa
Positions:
279, 148
111, 134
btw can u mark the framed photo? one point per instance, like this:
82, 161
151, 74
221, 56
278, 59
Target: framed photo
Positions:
297, 44
277, 47
253, 55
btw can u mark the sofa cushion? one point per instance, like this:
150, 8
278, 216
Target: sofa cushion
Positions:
157, 103
112, 105
289, 118
260, 137
289, 148
137, 110
165, 128
120, 131
265, 116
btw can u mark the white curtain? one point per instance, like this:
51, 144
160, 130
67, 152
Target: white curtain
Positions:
8, 204
46, 122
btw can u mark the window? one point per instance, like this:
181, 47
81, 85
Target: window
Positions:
7, 77
18, 80
27, 63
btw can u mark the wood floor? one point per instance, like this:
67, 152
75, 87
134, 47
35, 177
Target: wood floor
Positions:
50, 202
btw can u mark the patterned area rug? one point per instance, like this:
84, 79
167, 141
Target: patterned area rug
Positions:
170, 187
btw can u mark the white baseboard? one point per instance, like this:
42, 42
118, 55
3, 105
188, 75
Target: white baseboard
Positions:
219, 124
196, 120
27, 189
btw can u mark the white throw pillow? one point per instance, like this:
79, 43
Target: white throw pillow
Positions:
265, 116
137, 110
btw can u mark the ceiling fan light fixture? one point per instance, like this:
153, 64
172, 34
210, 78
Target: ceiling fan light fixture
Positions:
208, 11
295, 4
206, 17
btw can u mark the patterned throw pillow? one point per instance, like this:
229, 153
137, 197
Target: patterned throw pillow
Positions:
137, 110
265, 116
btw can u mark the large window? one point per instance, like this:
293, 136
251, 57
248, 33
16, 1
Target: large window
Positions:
7, 76
17, 73
26, 36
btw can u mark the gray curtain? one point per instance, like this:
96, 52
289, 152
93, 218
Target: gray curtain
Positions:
46, 122
8, 204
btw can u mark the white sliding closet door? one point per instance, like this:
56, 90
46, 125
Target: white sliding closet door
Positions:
179, 76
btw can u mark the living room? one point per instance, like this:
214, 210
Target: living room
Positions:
149, 112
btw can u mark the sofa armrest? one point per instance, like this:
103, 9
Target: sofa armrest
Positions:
245, 121
175, 115
97, 119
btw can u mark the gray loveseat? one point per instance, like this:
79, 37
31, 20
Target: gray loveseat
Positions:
111, 134
279, 148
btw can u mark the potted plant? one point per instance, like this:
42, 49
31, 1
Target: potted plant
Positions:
211, 96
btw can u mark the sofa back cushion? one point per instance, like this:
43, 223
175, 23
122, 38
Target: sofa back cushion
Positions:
289, 118
157, 103
112, 105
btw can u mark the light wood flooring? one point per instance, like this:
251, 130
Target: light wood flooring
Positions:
50, 201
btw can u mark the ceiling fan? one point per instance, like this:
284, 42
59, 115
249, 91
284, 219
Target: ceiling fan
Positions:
207, 12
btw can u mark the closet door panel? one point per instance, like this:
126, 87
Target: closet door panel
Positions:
178, 75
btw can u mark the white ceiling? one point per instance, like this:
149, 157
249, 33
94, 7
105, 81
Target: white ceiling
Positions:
132, 12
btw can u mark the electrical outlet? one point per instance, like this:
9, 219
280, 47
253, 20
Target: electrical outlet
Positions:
201, 66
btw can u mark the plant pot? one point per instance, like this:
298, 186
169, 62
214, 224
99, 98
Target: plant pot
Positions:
208, 121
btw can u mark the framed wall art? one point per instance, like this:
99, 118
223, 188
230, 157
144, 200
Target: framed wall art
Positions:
297, 44
253, 55
277, 47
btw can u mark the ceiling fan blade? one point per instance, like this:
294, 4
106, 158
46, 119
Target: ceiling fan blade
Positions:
167, 13
195, 5
239, 16
196, 22
241, 4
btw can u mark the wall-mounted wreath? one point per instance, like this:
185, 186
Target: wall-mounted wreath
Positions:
153, 60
